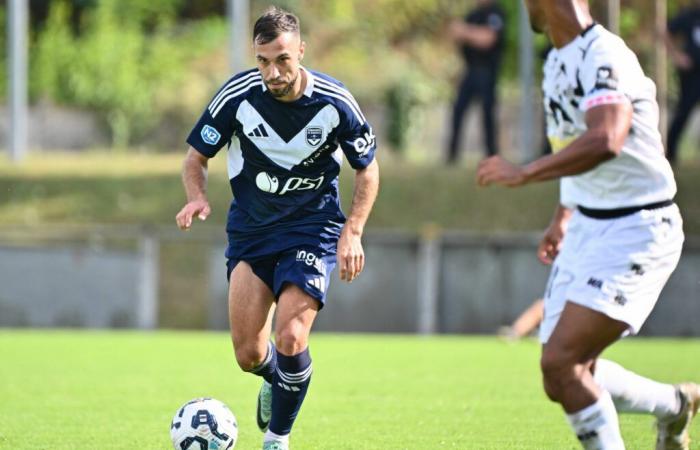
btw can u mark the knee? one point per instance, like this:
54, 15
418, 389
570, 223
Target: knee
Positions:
558, 372
249, 356
290, 340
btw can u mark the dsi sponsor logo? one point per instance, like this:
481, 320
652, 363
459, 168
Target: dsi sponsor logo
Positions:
210, 135
269, 183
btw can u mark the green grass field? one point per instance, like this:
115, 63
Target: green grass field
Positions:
75, 390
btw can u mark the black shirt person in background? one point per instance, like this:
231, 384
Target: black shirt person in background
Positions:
683, 42
480, 35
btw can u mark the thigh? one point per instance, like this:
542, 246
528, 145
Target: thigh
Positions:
581, 334
296, 312
250, 302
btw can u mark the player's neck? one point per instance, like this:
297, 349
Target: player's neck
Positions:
298, 89
567, 21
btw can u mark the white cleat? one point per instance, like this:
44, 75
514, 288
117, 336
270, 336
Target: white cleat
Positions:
674, 432
275, 445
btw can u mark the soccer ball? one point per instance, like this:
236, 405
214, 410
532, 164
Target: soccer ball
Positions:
204, 424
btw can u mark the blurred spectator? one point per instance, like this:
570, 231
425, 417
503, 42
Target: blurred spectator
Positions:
480, 36
683, 42
525, 324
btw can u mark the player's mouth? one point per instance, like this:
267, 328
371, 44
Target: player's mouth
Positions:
276, 84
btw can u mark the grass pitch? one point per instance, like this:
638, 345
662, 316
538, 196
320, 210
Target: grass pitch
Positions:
75, 390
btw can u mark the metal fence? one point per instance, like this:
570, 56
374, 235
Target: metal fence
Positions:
436, 282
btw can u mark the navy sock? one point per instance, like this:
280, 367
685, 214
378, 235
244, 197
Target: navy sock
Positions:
289, 389
268, 367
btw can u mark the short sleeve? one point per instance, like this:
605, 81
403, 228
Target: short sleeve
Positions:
215, 127
355, 135
600, 78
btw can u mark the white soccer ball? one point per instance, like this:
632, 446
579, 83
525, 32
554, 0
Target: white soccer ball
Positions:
204, 424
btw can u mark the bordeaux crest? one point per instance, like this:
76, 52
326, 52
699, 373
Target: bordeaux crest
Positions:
314, 136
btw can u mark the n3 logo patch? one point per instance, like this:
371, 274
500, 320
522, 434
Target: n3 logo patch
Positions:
210, 135
314, 136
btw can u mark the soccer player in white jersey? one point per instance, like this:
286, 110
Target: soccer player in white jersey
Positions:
287, 129
615, 237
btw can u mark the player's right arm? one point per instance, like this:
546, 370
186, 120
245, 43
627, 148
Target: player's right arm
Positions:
213, 131
550, 244
194, 179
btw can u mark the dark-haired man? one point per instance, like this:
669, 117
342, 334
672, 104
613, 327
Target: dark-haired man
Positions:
616, 236
286, 128
683, 42
480, 37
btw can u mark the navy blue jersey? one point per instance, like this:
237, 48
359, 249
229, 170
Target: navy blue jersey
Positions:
283, 160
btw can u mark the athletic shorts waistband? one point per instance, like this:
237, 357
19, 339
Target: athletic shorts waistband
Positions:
621, 212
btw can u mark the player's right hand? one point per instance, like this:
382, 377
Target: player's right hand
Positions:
199, 208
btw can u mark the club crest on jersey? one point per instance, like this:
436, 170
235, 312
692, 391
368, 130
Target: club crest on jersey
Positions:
210, 135
314, 135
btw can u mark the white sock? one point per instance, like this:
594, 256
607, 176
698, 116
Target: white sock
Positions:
596, 426
272, 437
634, 393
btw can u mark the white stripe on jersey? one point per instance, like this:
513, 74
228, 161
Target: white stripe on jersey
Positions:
231, 86
243, 90
342, 94
335, 88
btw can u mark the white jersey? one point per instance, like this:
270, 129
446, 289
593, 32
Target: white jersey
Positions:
597, 68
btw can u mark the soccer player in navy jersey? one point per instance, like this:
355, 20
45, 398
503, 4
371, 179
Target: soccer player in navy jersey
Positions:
286, 128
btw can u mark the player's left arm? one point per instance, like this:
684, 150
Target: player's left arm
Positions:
351, 256
607, 128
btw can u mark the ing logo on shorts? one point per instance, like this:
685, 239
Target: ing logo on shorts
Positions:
311, 260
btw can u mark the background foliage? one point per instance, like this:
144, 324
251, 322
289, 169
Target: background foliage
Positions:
141, 63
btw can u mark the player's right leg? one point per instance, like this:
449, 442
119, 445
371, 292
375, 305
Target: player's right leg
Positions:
467, 90
250, 318
580, 335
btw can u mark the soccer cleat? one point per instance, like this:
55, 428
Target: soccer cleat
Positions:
674, 433
275, 445
264, 410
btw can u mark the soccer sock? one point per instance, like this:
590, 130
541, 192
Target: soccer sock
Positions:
267, 368
596, 426
272, 437
289, 389
634, 393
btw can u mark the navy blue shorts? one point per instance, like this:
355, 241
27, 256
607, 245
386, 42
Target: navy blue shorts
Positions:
309, 268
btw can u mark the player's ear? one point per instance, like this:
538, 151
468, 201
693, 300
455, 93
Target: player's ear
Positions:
302, 47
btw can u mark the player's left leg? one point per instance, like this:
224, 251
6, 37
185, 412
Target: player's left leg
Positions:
673, 406
296, 311
580, 335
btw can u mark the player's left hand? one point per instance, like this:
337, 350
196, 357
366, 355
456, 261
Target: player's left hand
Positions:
496, 170
351, 256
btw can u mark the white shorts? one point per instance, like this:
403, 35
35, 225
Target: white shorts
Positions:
615, 266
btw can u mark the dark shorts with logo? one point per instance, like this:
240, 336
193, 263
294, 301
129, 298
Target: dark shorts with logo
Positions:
308, 267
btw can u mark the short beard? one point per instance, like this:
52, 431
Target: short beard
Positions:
278, 93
